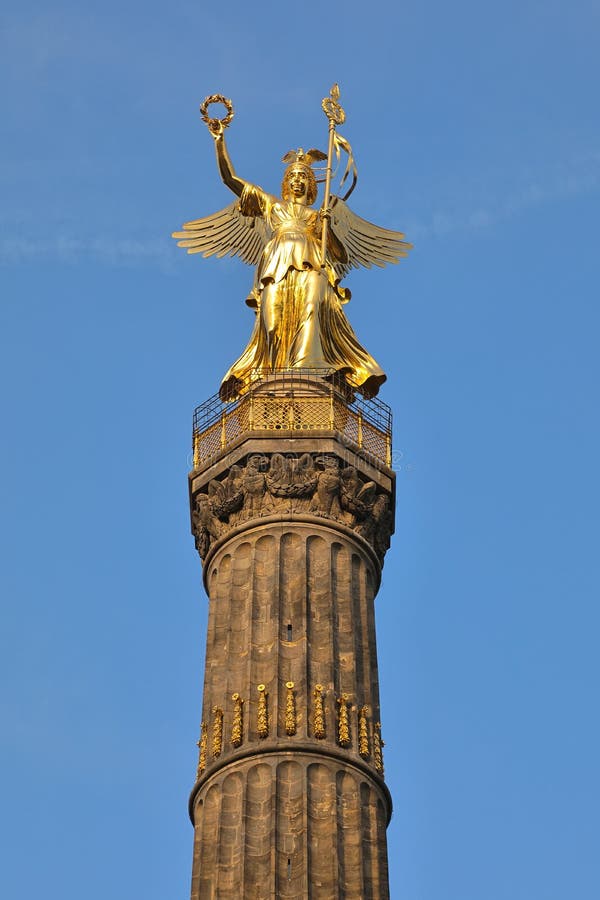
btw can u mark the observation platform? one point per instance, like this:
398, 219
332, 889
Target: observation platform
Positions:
291, 404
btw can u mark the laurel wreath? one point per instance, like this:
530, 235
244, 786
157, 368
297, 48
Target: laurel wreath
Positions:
333, 110
216, 98
293, 489
353, 504
227, 505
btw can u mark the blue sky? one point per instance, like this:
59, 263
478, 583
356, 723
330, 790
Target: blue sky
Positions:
475, 128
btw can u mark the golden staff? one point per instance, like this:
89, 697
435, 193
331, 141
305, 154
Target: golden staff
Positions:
336, 116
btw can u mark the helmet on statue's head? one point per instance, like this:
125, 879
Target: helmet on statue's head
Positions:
299, 161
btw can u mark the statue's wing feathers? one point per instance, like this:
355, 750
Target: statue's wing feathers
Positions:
253, 242
365, 244
225, 233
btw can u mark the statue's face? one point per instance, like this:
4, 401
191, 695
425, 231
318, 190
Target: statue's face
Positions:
298, 183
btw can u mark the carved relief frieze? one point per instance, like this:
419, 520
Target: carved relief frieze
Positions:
317, 484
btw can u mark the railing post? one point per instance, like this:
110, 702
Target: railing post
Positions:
196, 450
251, 414
388, 449
331, 409
359, 434
223, 431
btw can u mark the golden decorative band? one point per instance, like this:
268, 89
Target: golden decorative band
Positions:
369, 744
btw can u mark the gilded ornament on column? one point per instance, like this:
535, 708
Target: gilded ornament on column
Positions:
377, 748
262, 716
363, 732
202, 745
290, 709
343, 722
319, 713
217, 734
237, 727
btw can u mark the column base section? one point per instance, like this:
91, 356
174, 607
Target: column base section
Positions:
290, 824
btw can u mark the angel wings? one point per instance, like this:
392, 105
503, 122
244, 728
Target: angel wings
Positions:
230, 233
365, 244
226, 233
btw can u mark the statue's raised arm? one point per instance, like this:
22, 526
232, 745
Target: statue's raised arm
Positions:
224, 163
300, 254
227, 232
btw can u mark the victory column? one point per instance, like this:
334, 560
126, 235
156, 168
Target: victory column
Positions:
292, 499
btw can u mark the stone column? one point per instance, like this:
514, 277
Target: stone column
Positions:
290, 799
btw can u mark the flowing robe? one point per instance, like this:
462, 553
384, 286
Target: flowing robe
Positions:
300, 322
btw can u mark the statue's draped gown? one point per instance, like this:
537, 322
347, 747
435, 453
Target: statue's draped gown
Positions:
300, 322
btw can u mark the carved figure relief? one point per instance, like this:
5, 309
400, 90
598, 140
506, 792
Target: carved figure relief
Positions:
290, 477
227, 496
377, 527
311, 483
326, 500
254, 485
356, 496
206, 525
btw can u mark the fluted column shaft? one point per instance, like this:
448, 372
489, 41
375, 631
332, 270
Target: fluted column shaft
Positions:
291, 604
292, 527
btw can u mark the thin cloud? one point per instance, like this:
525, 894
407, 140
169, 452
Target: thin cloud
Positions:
580, 177
105, 250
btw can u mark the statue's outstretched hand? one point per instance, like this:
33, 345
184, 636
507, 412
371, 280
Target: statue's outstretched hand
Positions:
215, 126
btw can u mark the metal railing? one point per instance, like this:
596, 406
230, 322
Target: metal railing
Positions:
296, 401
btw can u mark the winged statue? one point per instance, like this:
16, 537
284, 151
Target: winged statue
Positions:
300, 255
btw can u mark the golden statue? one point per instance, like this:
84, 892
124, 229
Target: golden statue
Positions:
301, 254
